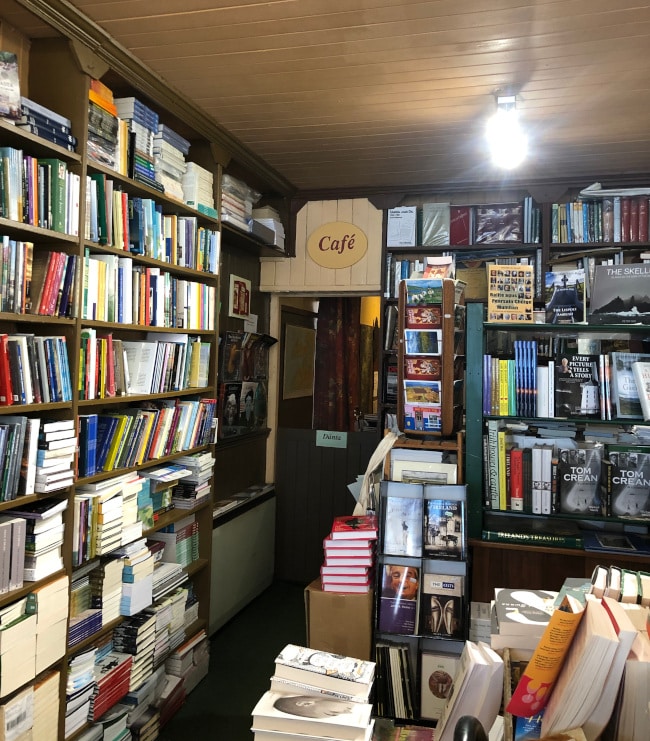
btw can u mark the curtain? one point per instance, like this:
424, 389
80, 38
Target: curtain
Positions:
336, 380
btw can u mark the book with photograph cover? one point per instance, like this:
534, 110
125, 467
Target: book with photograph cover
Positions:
444, 528
578, 480
620, 294
311, 715
564, 296
624, 390
422, 291
438, 671
423, 368
576, 385
442, 605
498, 222
626, 485
9, 86
399, 600
511, 290
423, 341
402, 519
423, 317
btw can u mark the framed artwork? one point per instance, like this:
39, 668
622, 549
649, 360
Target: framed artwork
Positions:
299, 352
239, 298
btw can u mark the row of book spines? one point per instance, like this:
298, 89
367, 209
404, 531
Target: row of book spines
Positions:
618, 219
521, 387
34, 370
144, 296
123, 440
39, 191
138, 225
394, 696
105, 371
535, 539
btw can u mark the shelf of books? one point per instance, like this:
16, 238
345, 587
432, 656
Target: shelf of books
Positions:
421, 596
108, 388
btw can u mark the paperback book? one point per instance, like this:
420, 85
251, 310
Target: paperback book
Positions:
564, 297
627, 482
444, 528
641, 373
511, 290
578, 480
620, 294
403, 520
576, 385
398, 603
441, 605
438, 671
624, 390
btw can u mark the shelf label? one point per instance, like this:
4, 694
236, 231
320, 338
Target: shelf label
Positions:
329, 439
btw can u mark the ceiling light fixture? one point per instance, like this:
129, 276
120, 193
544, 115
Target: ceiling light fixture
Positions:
508, 143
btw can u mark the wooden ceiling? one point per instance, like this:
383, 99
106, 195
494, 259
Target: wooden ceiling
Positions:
394, 94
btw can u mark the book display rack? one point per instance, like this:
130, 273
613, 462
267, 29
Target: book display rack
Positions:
109, 333
577, 245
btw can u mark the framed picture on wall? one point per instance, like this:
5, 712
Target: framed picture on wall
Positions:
299, 352
239, 298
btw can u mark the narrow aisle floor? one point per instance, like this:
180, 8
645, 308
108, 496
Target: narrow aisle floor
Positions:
241, 664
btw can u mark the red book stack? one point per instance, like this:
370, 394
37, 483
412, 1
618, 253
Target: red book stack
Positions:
349, 554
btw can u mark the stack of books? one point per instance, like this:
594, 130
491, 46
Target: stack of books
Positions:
137, 636
46, 123
57, 444
79, 690
85, 620
316, 694
198, 189
170, 623
50, 605
137, 577
171, 699
131, 525
143, 125
349, 554
190, 661
106, 588
103, 127
112, 674
194, 489
237, 202
269, 218
143, 717
169, 151
181, 541
46, 707
167, 576
42, 517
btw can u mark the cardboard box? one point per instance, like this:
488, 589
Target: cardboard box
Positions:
339, 623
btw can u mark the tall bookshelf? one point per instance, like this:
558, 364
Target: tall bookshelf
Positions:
60, 73
542, 243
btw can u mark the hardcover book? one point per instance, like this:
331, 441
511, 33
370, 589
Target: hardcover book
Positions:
354, 527
523, 611
511, 290
627, 485
576, 385
641, 373
578, 480
496, 223
438, 671
624, 390
444, 528
620, 294
441, 605
564, 297
460, 225
398, 603
435, 224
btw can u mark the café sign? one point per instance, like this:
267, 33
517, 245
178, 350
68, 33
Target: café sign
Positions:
337, 244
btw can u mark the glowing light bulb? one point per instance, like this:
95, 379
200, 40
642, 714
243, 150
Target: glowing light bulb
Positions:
508, 143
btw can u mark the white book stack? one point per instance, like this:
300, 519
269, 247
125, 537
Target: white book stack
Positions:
190, 660
198, 186
106, 588
46, 707
50, 605
79, 690
169, 151
270, 218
